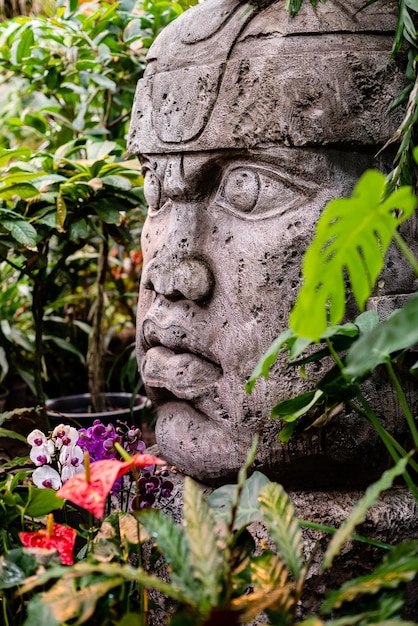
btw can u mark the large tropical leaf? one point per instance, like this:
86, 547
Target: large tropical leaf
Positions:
398, 332
248, 509
205, 556
351, 240
283, 526
359, 511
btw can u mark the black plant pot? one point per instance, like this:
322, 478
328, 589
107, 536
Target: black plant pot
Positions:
76, 409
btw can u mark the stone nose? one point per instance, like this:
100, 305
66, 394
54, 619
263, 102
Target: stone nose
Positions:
179, 278
179, 268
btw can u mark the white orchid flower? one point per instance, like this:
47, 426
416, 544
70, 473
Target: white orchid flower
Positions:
64, 435
37, 438
71, 461
46, 478
42, 454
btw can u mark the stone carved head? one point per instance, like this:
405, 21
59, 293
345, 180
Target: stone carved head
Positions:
246, 123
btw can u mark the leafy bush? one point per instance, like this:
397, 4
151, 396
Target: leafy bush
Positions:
70, 204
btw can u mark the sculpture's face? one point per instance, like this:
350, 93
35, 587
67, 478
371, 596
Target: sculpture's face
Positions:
222, 248
234, 124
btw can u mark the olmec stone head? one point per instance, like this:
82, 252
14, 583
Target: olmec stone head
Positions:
246, 123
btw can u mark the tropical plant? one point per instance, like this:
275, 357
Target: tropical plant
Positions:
214, 576
63, 205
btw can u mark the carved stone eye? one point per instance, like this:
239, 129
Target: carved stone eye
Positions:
241, 189
152, 190
259, 191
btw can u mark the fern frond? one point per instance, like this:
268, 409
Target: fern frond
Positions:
205, 556
283, 526
172, 542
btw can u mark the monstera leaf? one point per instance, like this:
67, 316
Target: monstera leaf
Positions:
351, 240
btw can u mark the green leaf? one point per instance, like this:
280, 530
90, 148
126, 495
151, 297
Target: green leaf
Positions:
108, 214
359, 511
397, 332
4, 364
352, 235
399, 566
79, 230
20, 190
7, 155
268, 572
366, 321
65, 602
269, 358
173, 544
283, 526
205, 558
10, 574
294, 408
100, 149
221, 499
11, 434
40, 614
37, 122
15, 566
249, 606
65, 345
116, 181
16, 176
23, 232
21, 49
103, 81
42, 501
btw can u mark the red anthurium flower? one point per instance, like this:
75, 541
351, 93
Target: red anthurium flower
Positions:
91, 494
57, 536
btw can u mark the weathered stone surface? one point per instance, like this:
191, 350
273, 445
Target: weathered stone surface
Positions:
247, 122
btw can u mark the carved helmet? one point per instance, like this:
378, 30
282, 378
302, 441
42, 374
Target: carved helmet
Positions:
227, 75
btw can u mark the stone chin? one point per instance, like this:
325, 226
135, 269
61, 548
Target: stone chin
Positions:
199, 447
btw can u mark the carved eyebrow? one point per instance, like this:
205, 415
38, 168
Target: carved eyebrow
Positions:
279, 169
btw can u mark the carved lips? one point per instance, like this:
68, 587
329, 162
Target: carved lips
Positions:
174, 362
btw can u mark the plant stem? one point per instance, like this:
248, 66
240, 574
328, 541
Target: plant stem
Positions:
335, 354
38, 311
4, 603
404, 403
96, 342
405, 251
384, 435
